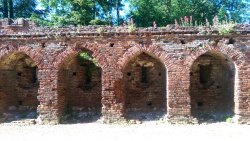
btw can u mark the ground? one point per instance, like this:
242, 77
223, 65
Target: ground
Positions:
139, 132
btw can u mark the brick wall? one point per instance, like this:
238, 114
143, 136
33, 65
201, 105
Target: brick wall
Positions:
176, 54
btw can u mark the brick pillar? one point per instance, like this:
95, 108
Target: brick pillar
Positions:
178, 98
242, 95
112, 98
48, 109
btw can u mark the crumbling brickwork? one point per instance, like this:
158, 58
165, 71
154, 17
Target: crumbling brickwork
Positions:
181, 73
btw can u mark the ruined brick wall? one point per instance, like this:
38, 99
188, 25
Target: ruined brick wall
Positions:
177, 54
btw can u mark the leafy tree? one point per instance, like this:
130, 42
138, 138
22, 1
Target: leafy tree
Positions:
78, 12
165, 12
145, 12
17, 8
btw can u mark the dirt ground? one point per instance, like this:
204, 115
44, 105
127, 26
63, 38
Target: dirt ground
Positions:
139, 132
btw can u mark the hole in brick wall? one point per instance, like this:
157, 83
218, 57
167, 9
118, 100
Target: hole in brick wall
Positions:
191, 74
159, 73
182, 41
111, 44
19, 74
74, 74
231, 41
129, 74
149, 103
199, 104
218, 87
20, 103
50, 102
43, 45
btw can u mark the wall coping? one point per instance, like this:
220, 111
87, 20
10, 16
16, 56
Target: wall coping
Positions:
21, 28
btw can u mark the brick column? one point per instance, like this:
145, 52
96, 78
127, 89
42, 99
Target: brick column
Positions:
48, 109
242, 95
178, 98
112, 98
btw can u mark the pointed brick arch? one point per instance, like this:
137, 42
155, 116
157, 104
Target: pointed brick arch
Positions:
238, 57
151, 93
32, 53
79, 87
153, 50
73, 51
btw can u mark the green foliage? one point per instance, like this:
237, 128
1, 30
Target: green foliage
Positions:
24, 8
98, 22
145, 12
163, 12
81, 12
19, 8
225, 28
107, 12
100, 30
87, 56
38, 19
228, 119
131, 27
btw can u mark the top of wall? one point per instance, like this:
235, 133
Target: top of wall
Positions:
26, 28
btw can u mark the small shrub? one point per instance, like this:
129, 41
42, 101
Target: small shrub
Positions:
229, 119
225, 28
131, 28
100, 30
98, 22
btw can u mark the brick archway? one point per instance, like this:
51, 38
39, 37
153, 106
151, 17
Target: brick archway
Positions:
79, 86
231, 51
143, 98
153, 50
71, 51
225, 63
32, 53
19, 92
